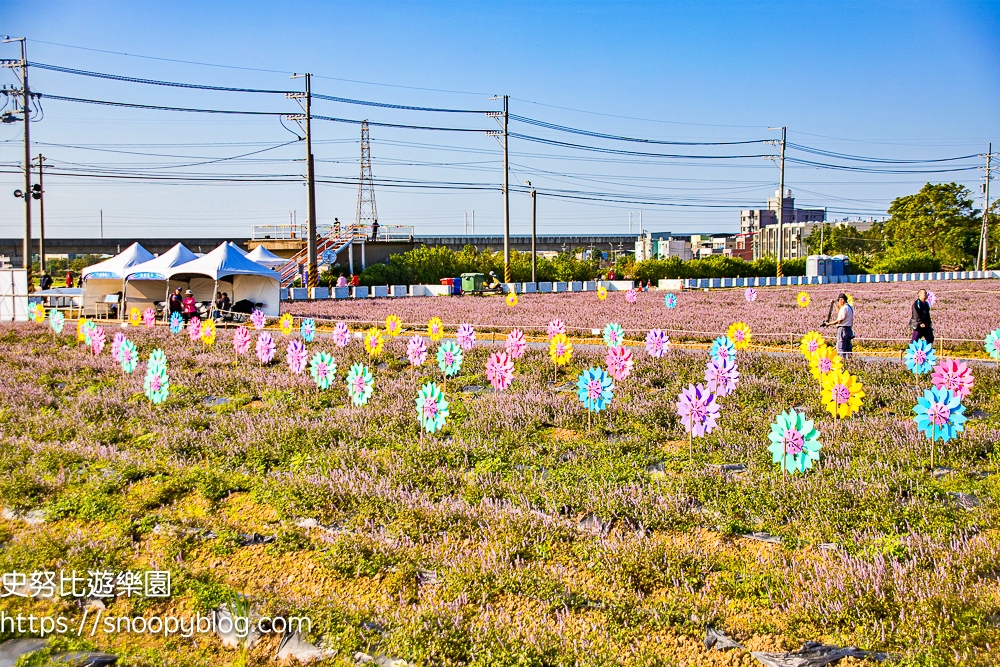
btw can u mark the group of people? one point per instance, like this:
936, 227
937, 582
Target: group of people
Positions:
920, 322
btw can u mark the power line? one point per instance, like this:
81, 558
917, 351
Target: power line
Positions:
879, 160
601, 135
153, 82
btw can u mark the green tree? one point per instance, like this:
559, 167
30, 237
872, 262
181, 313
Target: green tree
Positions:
940, 220
862, 246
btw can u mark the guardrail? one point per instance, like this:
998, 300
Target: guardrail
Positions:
285, 231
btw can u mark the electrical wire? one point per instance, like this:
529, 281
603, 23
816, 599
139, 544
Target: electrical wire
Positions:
153, 82
879, 160
601, 135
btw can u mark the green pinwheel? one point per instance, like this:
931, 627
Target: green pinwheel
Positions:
323, 369
449, 356
128, 356
157, 360
157, 384
794, 442
432, 408
360, 383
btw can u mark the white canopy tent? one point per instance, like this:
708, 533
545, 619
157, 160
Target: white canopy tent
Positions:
225, 269
107, 277
147, 283
265, 257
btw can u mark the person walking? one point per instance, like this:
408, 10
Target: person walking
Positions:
845, 326
920, 319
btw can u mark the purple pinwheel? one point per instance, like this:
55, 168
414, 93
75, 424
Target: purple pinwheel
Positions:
295, 356
515, 344
241, 340
466, 336
630, 295
619, 361
721, 376
698, 410
656, 343
750, 295
116, 346
931, 298
265, 348
257, 319
555, 328
416, 351
341, 334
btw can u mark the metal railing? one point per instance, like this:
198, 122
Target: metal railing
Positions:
285, 231
361, 232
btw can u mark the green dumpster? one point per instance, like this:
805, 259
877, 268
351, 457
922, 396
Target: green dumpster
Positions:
472, 282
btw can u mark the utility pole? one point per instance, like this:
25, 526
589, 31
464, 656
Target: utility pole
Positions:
534, 218
506, 188
102, 223
39, 194
26, 112
311, 260
781, 200
985, 233
466, 223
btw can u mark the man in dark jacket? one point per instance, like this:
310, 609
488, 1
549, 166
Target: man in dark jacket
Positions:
920, 318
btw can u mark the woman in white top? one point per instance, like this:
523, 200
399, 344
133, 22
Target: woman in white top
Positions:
845, 326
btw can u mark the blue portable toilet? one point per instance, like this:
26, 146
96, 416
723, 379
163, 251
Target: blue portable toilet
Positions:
843, 264
836, 266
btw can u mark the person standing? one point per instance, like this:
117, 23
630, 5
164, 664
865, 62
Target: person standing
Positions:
845, 326
920, 319
189, 306
374, 230
69, 279
176, 303
45, 282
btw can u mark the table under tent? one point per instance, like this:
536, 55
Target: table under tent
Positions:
103, 282
226, 269
147, 284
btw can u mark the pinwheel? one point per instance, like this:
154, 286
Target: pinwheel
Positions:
97, 340
81, 334
208, 332
560, 350
515, 344
825, 361
940, 415
176, 323
842, 394
89, 327
555, 328
286, 323
931, 298
128, 356
449, 358
740, 334
595, 390
156, 384
810, 344
32, 308
149, 317
341, 334
157, 360
500, 370
992, 343
723, 348
194, 329
265, 348
511, 299
374, 342
56, 321
393, 326
794, 442
750, 295
134, 317
432, 408
296, 356
308, 330
850, 299
721, 376
416, 351
920, 357
323, 369
803, 300
614, 335
670, 300
602, 292
360, 384
39, 315
656, 343
953, 375
435, 329
116, 345
257, 319
619, 362
698, 411
241, 340
466, 336
630, 295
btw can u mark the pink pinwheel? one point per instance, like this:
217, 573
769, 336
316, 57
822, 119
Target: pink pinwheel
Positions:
466, 336
341, 334
265, 348
241, 340
295, 356
257, 319
116, 345
698, 410
97, 340
194, 329
656, 343
630, 295
750, 295
416, 351
149, 317
931, 298
954, 376
555, 328
721, 376
619, 361
500, 370
515, 344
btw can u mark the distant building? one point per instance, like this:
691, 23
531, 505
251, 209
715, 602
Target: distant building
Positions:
759, 228
660, 245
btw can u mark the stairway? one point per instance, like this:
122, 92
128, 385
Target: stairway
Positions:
292, 268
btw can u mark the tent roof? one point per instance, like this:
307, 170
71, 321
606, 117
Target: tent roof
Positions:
156, 268
115, 267
264, 256
241, 250
226, 260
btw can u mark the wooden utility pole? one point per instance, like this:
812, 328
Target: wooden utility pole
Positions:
311, 259
39, 194
26, 112
984, 235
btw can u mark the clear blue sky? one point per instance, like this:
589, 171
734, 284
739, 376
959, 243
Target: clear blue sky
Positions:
904, 80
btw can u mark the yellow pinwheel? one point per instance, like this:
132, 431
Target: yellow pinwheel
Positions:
739, 333
393, 326
287, 323
811, 343
803, 299
374, 342
208, 332
134, 317
511, 299
826, 360
602, 292
81, 333
842, 393
560, 350
435, 329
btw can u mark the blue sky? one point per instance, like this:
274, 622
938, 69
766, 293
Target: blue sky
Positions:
899, 80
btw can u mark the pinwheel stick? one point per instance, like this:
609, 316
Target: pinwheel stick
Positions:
933, 448
690, 448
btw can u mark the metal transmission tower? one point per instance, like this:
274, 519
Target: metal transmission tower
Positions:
367, 212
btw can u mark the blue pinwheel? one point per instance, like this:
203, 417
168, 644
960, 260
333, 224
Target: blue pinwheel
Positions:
595, 389
992, 343
670, 300
920, 357
176, 323
723, 348
940, 414
308, 330
794, 442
